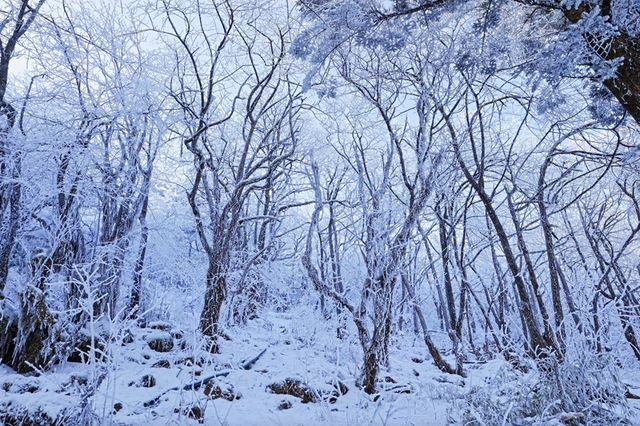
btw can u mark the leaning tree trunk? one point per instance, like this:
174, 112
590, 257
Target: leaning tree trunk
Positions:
533, 279
540, 343
440, 362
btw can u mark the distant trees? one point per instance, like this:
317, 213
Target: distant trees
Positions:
393, 181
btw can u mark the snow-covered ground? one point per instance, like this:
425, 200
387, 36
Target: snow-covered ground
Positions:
146, 387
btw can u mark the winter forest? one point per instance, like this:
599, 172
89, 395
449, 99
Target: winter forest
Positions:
304, 212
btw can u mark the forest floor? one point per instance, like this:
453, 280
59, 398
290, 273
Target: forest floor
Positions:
141, 386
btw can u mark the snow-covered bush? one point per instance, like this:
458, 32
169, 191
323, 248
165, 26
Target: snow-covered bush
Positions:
583, 390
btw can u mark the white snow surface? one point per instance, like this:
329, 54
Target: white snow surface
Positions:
298, 346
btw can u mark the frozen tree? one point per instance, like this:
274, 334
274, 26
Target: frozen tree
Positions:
103, 136
240, 125
17, 19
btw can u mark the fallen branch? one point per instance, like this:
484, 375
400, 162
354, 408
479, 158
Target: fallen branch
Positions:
247, 365
630, 395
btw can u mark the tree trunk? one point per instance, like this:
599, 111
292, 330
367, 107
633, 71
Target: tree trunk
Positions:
136, 288
533, 279
371, 367
431, 347
214, 298
444, 235
9, 228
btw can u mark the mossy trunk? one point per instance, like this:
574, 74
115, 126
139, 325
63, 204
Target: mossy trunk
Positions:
25, 342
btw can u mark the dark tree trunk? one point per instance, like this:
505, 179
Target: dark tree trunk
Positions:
533, 279
213, 300
444, 234
538, 341
431, 347
371, 369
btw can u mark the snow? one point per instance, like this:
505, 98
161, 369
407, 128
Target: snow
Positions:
304, 350
299, 345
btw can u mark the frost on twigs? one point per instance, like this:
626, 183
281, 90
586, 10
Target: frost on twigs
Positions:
582, 390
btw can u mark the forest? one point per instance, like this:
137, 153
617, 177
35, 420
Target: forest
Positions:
306, 212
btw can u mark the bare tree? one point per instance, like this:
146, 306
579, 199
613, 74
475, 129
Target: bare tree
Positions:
236, 155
